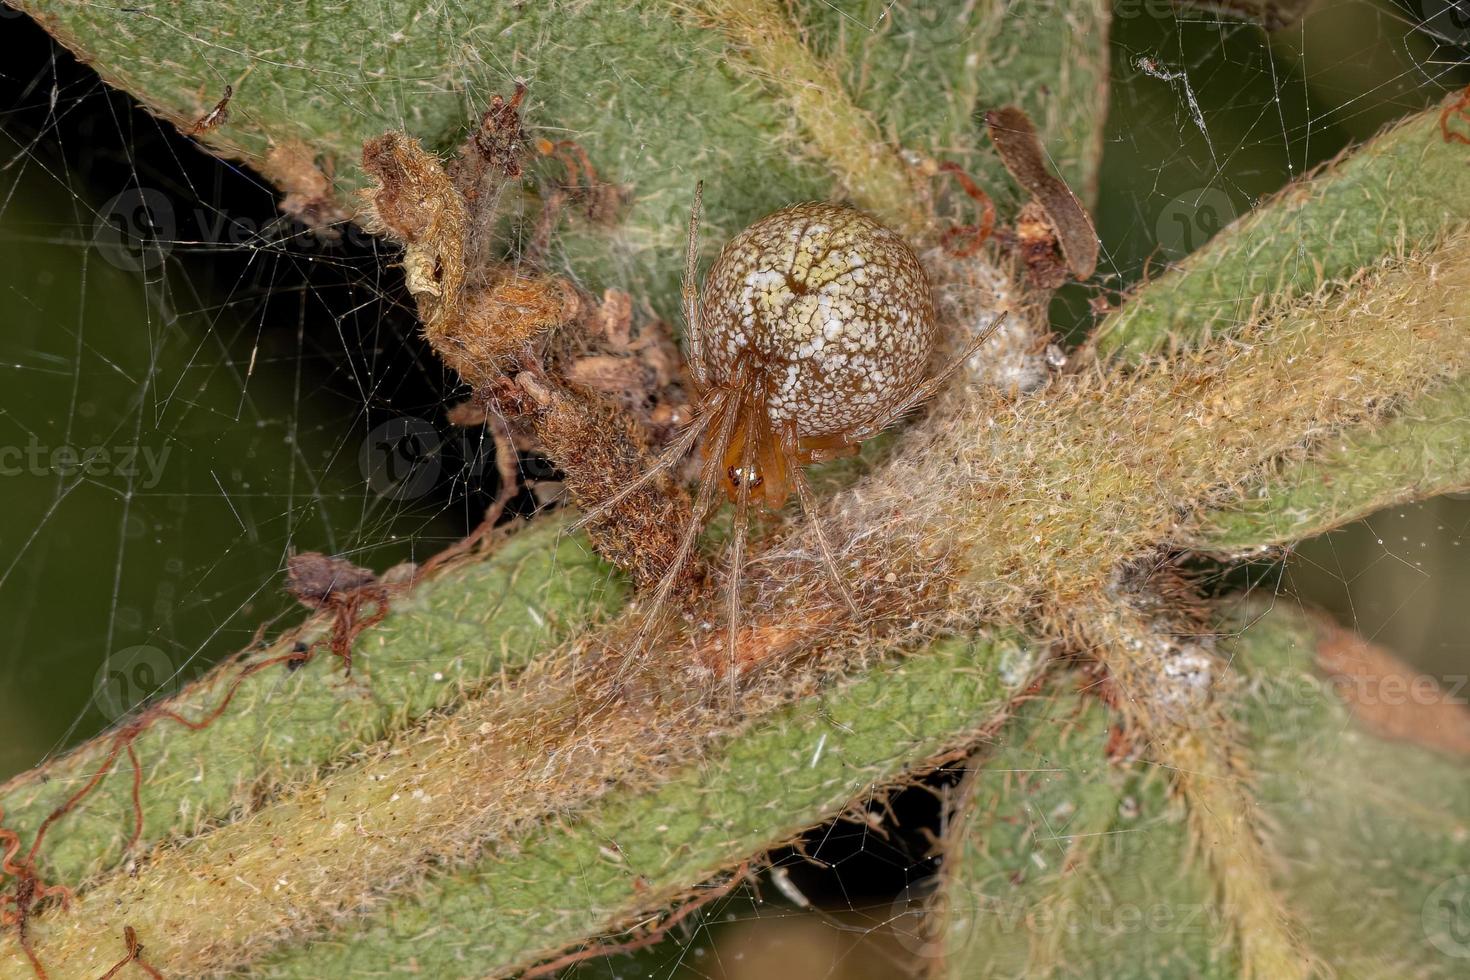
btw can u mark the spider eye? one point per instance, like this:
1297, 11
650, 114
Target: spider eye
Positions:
737, 475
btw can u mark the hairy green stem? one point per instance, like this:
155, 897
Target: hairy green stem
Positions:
1422, 451
471, 624
1070, 854
1400, 192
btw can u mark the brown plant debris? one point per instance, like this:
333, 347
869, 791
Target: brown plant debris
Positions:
496, 144
598, 199
309, 195
215, 117
344, 591
1389, 697
488, 162
508, 333
963, 241
29, 892
601, 449
133, 955
1457, 111
1056, 206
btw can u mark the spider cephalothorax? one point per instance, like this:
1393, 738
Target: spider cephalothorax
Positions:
814, 333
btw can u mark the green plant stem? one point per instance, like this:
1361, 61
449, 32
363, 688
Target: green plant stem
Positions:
1070, 856
638, 852
473, 623
1400, 192
1422, 451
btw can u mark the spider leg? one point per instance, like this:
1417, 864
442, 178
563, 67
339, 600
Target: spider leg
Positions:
689, 292
666, 461
929, 388
709, 481
808, 499
740, 531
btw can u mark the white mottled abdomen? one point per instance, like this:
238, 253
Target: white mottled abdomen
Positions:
830, 308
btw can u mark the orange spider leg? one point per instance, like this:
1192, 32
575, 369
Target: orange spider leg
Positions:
1458, 109
740, 531
978, 234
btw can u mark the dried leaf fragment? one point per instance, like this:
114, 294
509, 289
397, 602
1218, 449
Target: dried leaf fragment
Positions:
1022, 153
309, 194
315, 579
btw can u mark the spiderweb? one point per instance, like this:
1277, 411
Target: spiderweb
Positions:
196, 386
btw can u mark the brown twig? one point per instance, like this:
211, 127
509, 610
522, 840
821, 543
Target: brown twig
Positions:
134, 955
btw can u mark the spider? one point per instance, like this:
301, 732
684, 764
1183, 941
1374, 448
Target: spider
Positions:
813, 333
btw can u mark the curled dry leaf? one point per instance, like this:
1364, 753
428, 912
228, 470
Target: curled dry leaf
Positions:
315, 579
507, 332
1054, 203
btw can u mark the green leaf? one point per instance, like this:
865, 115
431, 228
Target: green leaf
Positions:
1067, 862
1401, 192
1421, 452
635, 852
456, 631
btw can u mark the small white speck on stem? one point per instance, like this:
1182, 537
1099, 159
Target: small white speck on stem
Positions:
817, 755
